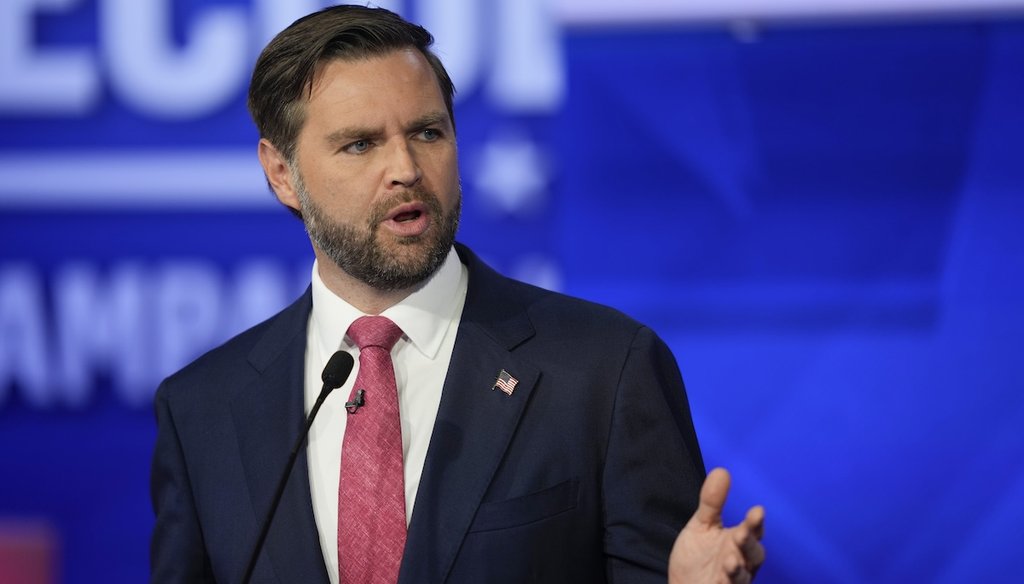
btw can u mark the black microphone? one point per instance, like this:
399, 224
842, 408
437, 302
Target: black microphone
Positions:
336, 372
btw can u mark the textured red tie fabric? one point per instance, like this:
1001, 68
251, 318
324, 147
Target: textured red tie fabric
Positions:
371, 495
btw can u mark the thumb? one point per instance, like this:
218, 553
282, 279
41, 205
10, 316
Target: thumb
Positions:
712, 498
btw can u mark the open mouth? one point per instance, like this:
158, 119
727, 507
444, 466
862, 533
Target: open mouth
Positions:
408, 219
405, 216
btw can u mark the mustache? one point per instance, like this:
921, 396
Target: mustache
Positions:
418, 194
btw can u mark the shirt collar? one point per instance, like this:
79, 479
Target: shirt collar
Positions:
424, 316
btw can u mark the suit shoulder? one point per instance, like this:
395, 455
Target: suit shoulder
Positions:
576, 316
236, 358
498, 296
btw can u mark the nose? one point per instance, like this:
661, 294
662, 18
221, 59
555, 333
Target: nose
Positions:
402, 167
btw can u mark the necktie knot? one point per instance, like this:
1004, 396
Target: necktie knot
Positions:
374, 331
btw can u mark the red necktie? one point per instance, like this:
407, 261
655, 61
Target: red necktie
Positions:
371, 495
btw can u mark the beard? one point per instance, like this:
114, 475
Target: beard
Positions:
406, 262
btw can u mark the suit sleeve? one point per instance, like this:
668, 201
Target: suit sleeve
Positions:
177, 552
654, 469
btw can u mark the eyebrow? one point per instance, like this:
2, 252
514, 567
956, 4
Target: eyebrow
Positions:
343, 136
431, 119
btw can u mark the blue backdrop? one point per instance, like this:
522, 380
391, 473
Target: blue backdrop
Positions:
823, 219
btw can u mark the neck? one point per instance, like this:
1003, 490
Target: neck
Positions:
367, 299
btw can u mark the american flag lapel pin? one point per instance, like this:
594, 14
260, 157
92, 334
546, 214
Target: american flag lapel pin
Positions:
505, 382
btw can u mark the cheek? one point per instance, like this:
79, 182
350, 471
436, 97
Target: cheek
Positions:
448, 174
345, 196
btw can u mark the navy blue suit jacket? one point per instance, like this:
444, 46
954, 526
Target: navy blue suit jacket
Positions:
585, 473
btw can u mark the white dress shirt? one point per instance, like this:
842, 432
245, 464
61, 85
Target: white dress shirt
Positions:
429, 319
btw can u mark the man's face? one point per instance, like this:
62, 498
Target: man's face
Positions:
376, 173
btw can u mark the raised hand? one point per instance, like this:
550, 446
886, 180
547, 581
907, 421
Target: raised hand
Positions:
707, 552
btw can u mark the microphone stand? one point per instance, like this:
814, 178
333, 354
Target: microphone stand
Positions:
335, 374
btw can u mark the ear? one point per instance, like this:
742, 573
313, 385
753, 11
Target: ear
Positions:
279, 175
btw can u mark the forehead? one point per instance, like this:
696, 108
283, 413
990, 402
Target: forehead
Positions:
373, 89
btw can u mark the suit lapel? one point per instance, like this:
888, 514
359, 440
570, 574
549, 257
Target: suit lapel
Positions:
473, 428
269, 415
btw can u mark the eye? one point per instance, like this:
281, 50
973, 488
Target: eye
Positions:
358, 147
430, 135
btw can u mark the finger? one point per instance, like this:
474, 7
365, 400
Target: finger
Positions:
753, 555
743, 577
755, 520
741, 535
712, 498
747, 536
732, 563
744, 538
751, 527
735, 569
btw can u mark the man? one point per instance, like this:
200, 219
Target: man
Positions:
492, 431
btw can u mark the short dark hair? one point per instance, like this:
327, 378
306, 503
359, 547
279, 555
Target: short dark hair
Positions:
287, 67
